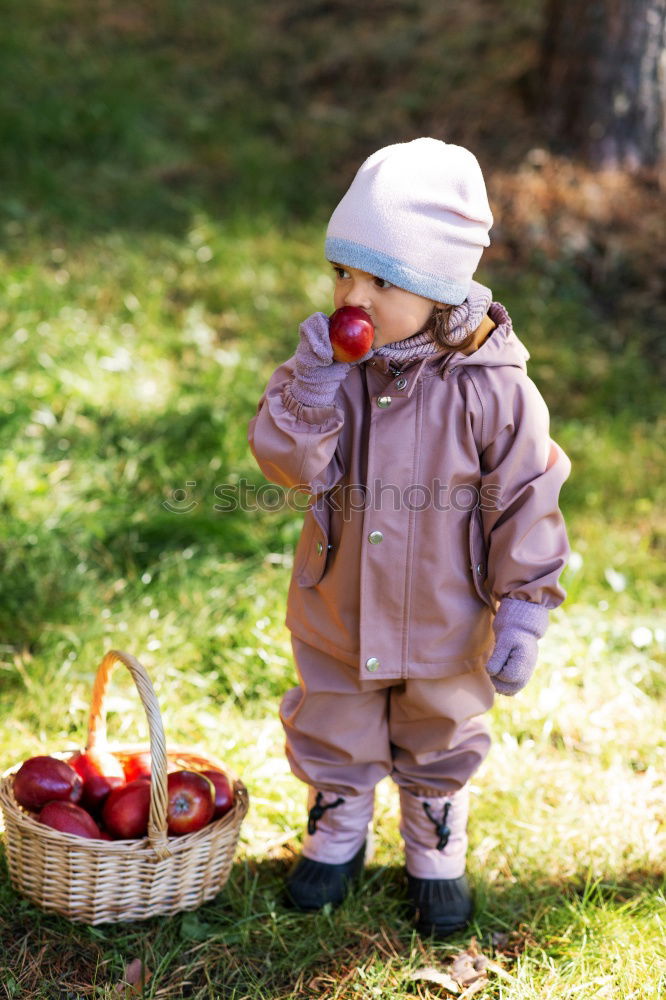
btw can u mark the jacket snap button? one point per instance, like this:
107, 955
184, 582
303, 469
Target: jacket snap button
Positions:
375, 537
320, 548
372, 664
384, 401
400, 383
479, 569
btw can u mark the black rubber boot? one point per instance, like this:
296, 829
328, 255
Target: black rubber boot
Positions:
313, 884
442, 905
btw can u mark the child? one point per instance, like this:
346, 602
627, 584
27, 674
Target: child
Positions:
430, 555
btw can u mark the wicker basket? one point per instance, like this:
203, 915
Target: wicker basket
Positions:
98, 881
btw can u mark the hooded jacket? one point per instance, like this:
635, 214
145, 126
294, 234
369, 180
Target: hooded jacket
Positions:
433, 494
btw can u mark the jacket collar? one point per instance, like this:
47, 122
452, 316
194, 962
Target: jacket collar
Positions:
501, 349
481, 334
494, 345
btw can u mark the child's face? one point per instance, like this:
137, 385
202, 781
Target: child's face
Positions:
396, 314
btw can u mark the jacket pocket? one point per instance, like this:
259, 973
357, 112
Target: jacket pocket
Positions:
478, 557
312, 549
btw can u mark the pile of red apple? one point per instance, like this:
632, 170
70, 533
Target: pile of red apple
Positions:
97, 795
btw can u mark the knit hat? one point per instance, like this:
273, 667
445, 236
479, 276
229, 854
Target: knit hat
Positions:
417, 215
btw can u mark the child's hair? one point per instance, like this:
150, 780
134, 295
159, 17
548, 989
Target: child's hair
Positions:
439, 327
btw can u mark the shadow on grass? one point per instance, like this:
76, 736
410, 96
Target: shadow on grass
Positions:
137, 117
42, 583
247, 943
145, 498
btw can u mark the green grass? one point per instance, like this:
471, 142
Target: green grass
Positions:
145, 306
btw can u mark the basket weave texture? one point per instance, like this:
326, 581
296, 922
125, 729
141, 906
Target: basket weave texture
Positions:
99, 881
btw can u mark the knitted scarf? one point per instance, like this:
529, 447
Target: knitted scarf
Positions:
463, 320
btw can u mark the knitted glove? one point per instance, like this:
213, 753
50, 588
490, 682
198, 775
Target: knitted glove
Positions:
317, 375
517, 626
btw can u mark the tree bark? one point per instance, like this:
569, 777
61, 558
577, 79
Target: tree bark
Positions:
604, 81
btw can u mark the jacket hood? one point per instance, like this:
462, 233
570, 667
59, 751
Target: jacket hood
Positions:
502, 348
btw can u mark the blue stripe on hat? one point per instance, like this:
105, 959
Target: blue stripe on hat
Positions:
431, 286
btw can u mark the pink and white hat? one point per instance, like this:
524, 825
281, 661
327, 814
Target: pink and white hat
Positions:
417, 215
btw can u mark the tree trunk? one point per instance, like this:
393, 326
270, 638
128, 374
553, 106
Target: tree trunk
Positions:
604, 78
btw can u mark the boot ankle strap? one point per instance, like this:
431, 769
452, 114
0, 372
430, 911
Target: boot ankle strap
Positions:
318, 811
441, 829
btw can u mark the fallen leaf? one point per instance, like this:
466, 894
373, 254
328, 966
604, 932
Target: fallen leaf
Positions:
135, 977
468, 971
464, 969
473, 988
432, 975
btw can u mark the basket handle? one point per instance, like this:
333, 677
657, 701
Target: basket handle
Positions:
157, 820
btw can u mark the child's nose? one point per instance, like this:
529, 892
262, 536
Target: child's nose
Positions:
358, 295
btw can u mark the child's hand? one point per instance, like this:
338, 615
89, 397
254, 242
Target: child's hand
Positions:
314, 349
517, 626
317, 375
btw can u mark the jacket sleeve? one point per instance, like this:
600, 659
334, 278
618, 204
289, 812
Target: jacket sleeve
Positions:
294, 444
522, 472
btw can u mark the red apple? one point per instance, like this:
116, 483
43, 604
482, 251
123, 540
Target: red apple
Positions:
224, 795
351, 333
44, 779
190, 802
101, 772
137, 765
125, 812
69, 818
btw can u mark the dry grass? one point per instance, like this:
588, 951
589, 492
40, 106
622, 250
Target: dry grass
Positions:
607, 226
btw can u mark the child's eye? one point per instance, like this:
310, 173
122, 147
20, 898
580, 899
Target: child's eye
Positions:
340, 273
383, 283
